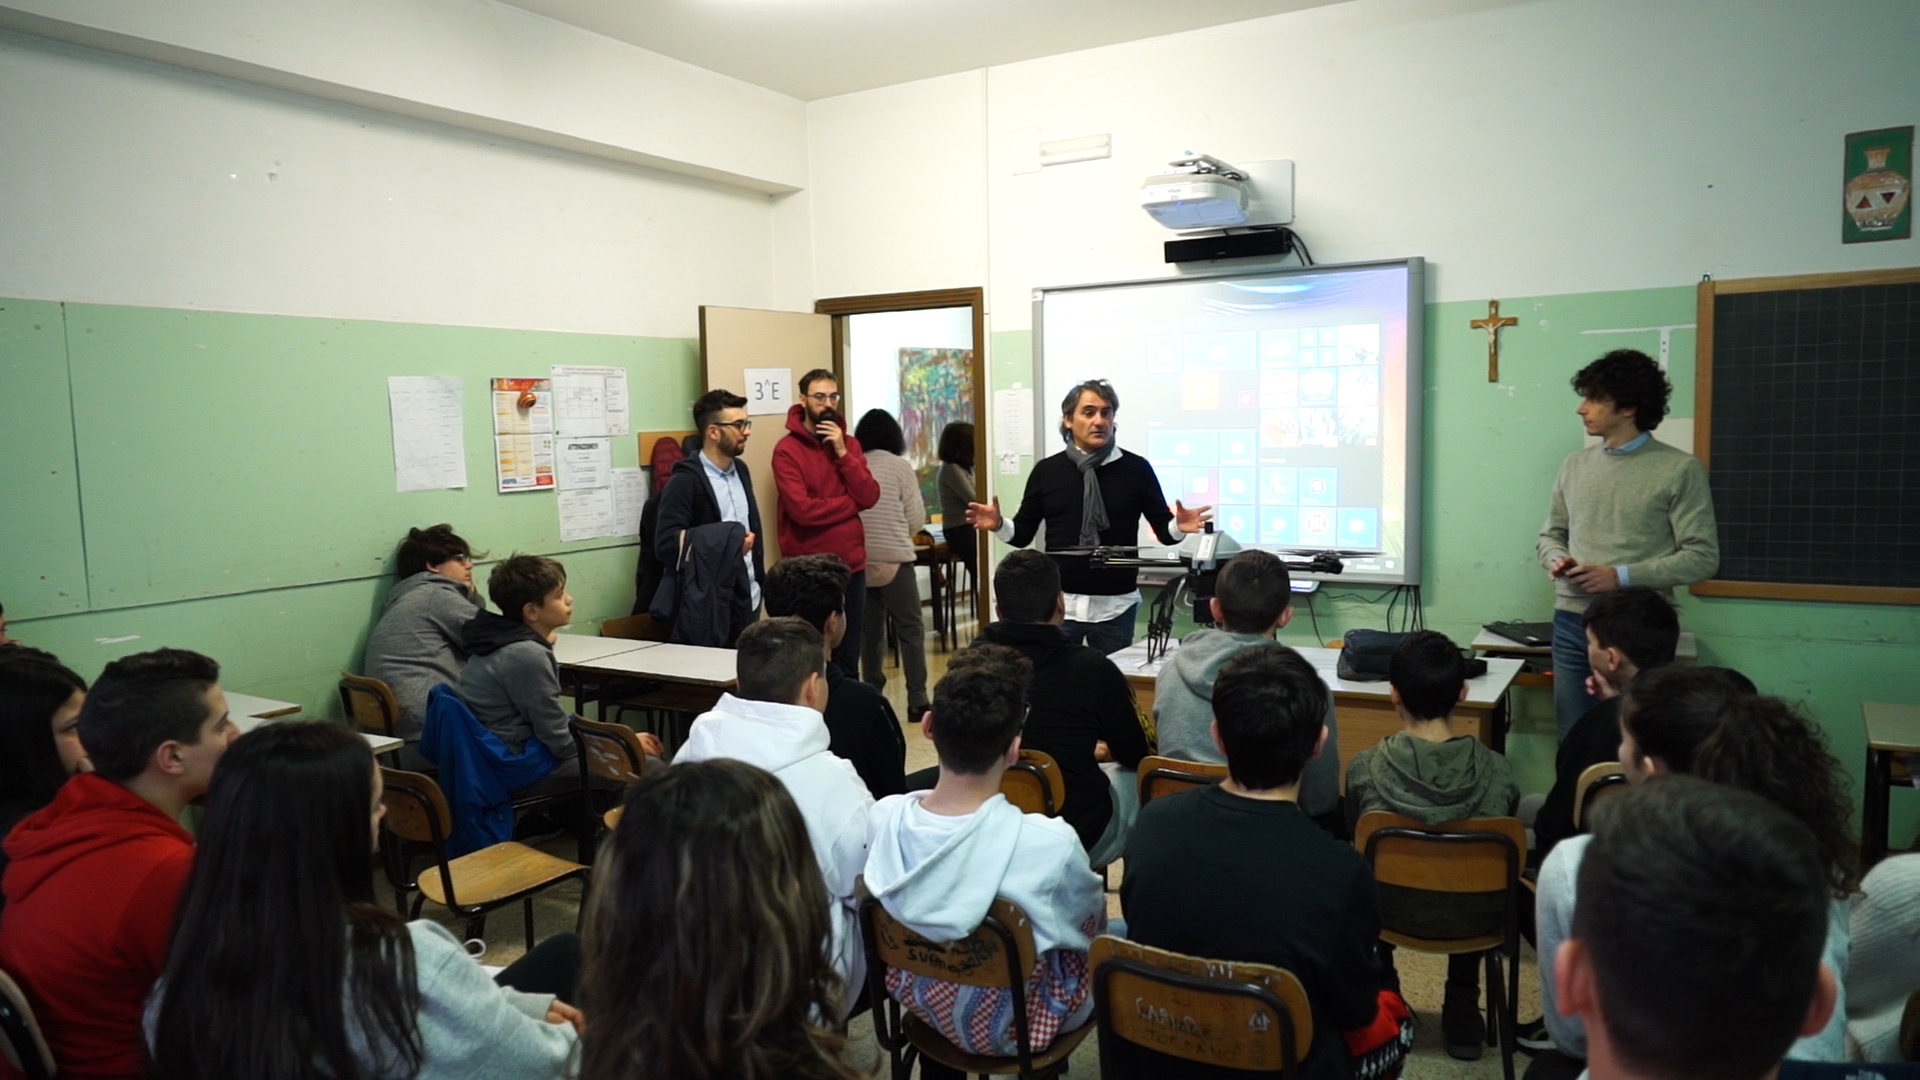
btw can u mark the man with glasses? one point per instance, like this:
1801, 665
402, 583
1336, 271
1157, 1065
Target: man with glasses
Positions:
713, 486
823, 482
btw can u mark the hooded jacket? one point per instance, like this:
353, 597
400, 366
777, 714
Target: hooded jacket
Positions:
1431, 781
416, 645
940, 874
92, 884
512, 684
1076, 697
1183, 711
821, 495
790, 741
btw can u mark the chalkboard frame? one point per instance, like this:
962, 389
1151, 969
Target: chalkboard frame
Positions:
1708, 290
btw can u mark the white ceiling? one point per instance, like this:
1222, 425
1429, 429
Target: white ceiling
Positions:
818, 48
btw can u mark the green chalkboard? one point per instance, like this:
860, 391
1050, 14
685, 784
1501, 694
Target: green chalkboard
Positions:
40, 534
223, 453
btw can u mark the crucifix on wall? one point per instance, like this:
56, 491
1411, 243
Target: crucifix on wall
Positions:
1492, 324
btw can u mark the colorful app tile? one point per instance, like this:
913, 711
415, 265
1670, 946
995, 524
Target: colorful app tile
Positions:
1277, 526
1280, 427
1277, 347
1319, 386
1200, 391
1317, 528
1320, 487
1359, 526
1279, 389
1237, 486
1199, 487
1279, 487
1236, 446
1235, 521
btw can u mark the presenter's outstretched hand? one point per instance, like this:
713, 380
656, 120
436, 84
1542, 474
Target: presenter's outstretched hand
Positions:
1191, 521
983, 515
1594, 579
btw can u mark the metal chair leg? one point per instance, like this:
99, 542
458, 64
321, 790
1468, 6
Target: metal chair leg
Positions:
529, 909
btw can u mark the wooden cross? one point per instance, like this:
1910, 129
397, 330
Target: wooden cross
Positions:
1492, 324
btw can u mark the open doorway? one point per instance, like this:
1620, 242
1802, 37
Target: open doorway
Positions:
919, 356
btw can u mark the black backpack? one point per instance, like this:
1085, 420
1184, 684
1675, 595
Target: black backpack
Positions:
1367, 653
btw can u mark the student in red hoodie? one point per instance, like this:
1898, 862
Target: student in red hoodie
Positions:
93, 879
823, 482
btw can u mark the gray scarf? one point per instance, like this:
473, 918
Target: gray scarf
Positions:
1093, 508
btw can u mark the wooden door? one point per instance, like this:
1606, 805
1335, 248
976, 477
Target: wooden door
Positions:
732, 340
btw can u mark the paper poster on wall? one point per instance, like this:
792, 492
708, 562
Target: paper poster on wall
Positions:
583, 463
768, 391
429, 447
522, 407
1013, 421
629, 497
590, 400
586, 513
524, 462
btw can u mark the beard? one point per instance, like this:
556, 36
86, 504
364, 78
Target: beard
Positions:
828, 415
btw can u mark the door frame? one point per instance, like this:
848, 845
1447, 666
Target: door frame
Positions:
839, 307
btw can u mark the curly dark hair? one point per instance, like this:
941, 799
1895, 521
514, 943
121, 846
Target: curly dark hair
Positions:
1631, 380
979, 706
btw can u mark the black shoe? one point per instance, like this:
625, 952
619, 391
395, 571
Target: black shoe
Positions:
1462, 1027
915, 713
1532, 1036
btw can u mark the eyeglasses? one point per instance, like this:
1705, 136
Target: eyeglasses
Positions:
825, 399
741, 426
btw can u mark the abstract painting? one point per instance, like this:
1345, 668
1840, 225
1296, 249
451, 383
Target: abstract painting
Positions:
936, 389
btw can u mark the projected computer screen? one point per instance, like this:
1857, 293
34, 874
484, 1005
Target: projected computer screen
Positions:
1286, 400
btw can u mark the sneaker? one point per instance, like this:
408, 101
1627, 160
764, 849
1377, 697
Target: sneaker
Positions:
1532, 1036
1462, 1027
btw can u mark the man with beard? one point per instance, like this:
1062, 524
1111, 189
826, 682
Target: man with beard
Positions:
713, 486
823, 482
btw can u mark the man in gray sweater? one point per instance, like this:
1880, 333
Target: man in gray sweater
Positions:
1627, 511
1252, 601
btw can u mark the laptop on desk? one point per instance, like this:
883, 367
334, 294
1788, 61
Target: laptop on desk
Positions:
1538, 635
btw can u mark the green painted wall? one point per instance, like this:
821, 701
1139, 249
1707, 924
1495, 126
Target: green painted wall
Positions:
234, 474
1491, 452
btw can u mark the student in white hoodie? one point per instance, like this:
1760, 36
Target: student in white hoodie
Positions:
772, 720
941, 857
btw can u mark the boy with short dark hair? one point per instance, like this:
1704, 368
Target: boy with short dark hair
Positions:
93, 879
940, 858
1426, 772
1237, 871
772, 720
861, 724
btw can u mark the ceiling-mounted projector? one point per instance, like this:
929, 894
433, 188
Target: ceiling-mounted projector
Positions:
1196, 191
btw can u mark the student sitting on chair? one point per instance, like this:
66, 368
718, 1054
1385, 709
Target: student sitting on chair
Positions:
1426, 772
417, 643
772, 720
512, 682
1628, 631
861, 724
1237, 871
1078, 698
708, 931
94, 878
1252, 601
941, 857
40, 747
285, 965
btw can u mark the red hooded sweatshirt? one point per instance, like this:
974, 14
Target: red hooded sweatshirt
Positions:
91, 885
821, 496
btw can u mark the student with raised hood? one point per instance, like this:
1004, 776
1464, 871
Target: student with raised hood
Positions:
417, 643
940, 858
40, 702
93, 879
708, 936
772, 720
284, 964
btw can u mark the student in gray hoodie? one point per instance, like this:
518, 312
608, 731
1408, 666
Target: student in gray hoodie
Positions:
417, 644
1428, 773
1252, 601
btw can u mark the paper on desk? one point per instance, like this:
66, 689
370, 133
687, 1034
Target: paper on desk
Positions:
1013, 421
524, 462
583, 463
429, 448
590, 400
509, 418
586, 513
629, 496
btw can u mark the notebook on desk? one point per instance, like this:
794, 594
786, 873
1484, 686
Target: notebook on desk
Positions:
1538, 635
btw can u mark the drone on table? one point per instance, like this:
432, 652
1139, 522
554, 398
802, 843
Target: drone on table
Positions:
1200, 556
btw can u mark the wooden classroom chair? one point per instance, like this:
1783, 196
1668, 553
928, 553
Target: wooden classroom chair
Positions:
611, 752
1034, 784
478, 882
1475, 855
1165, 775
370, 704
1598, 781
999, 953
1253, 1018
23, 1047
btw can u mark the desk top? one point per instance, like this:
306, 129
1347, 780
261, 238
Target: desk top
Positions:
1482, 692
245, 707
1489, 642
693, 664
1892, 727
574, 650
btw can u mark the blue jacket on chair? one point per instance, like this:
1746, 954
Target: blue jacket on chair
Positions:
477, 771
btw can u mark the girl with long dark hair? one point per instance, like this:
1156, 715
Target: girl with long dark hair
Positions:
707, 936
284, 965
39, 732
955, 485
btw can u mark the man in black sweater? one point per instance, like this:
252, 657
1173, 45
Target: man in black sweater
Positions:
1236, 871
1628, 631
861, 724
1091, 494
713, 486
1080, 708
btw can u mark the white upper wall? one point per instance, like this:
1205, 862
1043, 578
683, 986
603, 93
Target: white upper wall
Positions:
1538, 147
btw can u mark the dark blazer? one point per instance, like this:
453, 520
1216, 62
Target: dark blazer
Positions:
688, 502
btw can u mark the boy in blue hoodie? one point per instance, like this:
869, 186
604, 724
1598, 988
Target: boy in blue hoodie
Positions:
939, 858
